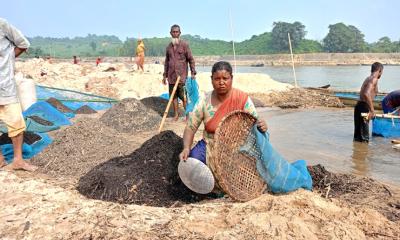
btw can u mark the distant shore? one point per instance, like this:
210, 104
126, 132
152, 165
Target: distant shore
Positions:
308, 59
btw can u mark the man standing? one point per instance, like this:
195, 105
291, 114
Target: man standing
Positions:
140, 54
391, 102
12, 44
368, 91
178, 56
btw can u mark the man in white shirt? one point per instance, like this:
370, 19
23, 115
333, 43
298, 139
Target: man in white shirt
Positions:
12, 44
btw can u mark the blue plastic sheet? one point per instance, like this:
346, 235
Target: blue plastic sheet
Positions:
165, 96
28, 151
48, 112
386, 127
280, 175
33, 126
192, 89
70, 98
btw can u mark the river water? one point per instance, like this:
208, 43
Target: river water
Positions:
323, 135
340, 77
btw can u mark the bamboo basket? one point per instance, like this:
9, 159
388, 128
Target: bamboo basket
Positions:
235, 172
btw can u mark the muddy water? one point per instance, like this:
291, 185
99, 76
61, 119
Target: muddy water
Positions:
339, 77
325, 136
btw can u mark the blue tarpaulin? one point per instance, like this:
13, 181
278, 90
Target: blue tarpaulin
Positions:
70, 98
47, 112
386, 127
280, 175
192, 89
28, 151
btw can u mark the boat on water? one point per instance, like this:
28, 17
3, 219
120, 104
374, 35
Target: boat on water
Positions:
386, 125
351, 98
257, 65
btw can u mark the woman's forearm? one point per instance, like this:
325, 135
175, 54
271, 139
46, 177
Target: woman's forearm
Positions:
188, 136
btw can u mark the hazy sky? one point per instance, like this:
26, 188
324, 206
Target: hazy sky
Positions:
207, 18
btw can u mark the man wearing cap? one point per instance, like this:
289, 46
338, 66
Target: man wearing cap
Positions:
178, 56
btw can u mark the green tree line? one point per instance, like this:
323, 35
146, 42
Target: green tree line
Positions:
341, 38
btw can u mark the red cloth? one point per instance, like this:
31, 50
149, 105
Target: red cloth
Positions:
236, 101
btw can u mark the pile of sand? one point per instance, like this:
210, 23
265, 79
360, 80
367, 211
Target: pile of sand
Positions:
356, 190
147, 176
298, 98
58, 105
130, 115
125, 81
247, 82
77, 149
85, 109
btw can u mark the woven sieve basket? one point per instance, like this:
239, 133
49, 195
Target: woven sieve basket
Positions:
236, 172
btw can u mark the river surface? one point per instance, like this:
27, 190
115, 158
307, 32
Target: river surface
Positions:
340, 77
325, 136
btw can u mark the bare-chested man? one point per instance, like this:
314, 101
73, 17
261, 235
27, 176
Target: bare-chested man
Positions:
368, 91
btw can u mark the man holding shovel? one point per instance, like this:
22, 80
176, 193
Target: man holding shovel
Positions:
178, 56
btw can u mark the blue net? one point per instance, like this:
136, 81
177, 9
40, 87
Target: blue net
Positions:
74, 99
386, 127
280, 175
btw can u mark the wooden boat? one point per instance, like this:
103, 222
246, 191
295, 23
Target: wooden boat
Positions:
257, 65
326, 86
351, 98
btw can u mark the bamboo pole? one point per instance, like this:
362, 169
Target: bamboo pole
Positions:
291, 54
396, 141
171, 98
233, 41
365, 115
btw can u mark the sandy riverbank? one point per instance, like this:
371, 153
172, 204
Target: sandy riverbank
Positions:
121, 80
38, 206
306, 59
47, 205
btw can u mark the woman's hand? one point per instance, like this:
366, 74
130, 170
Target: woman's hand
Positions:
262, 125
183, 156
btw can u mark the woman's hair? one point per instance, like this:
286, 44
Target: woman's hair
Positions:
222, 65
